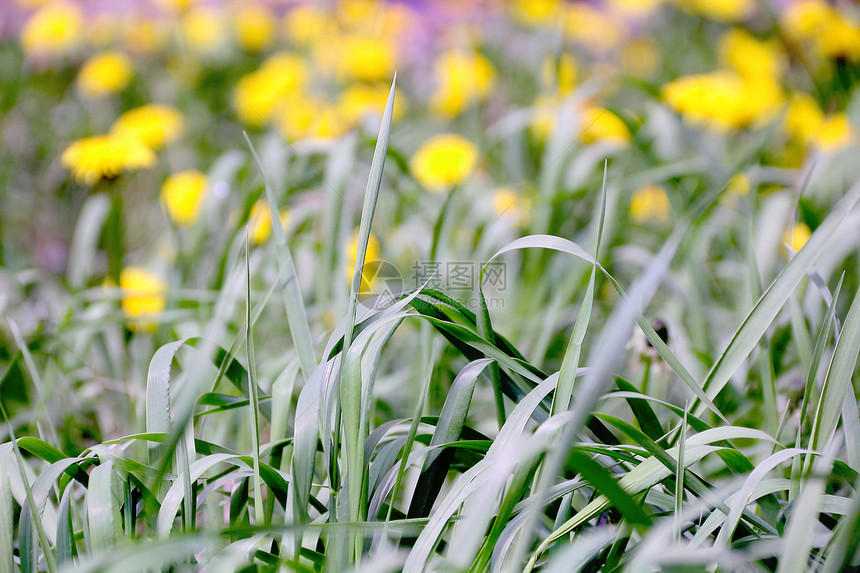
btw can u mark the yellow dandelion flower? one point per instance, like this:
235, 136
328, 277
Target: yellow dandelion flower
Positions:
153, 124
104, 74
461, 80
203, 29
55, 28
600, 124
143, 295
719, 10
183, 194
260, 222
589, 26
797, 236
804, 117
307, 24
723, 100
444, 161
536, 12
834, 133
366, 58
254, 27
105, 157
259, 94
750, 57
650, 204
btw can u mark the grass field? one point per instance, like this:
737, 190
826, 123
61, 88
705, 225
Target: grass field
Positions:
429, 286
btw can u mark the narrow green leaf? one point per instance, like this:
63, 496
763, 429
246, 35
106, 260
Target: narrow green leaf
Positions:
765, 310
296, 314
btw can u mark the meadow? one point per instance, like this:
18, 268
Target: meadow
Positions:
424, 285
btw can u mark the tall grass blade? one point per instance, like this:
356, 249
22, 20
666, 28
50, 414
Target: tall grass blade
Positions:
7, 513
838, 380
765, 310
259, 510
102, 508
296, 314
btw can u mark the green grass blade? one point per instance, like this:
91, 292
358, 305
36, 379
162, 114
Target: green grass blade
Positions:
448, 429
804, 517
838, 379
102, 508
259, 509
296, 313
7, 515
768, 306
82, 253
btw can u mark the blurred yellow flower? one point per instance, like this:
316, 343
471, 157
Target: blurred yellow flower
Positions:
739, 185
650, 204
182, 195
143, 294
720, 10
636, 8
259, 94
103, 29
444, 161
308, 24
359, 100
298, 114
153, 124
751, 58
366, 57
260, 222
544, 115
804, 117
536, 12
723, 100
640, 57
105, 157
508, 203
144, 35
303, 117
203, 29
559, 74
599, 124
105, 73
841, 38
55, 28
254, 26
833, 133
830, 32
798, 236
369, 280
462, 78
806, 123
589, 26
